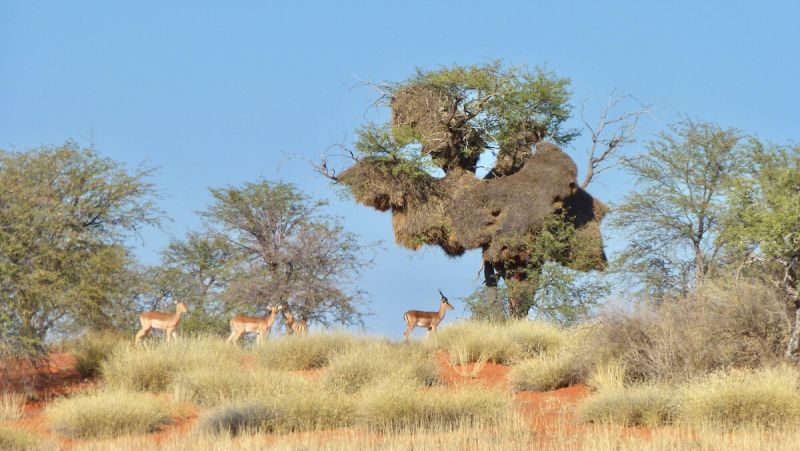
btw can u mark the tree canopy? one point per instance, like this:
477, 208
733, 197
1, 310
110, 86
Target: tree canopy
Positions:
65, 213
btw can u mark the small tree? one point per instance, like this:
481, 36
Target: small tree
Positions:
673, 218
763, 220
288, 253
196, 270
64, 215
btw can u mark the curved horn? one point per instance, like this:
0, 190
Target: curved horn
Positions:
440, 292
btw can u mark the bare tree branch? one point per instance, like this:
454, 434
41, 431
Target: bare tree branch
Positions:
611, 133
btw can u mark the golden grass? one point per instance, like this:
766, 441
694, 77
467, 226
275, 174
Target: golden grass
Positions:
154, 368
92, 350
106, 414
501, 342
546, 372
12, 405
304, 352
764, 398
16, 439
365, 365
767, 397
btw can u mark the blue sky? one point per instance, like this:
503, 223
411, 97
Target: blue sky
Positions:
216, 94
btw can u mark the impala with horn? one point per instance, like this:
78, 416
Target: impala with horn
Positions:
168, 322
429, 320
259, 326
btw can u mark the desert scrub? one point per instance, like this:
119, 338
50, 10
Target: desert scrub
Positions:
92, 350
306, 410
304, 352
547, 371
767, 398
640, 405
106, 414
215, 386
362, 366
503, 343
398, 404
16, 439
154, 368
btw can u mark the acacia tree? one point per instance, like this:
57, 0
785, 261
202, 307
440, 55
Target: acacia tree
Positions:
673, 218
65, 213
196, 270
288, 253
763, 221
442, 122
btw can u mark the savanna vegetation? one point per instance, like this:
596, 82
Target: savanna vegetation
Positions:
691, 330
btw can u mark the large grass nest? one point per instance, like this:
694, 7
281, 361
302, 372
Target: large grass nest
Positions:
460, 211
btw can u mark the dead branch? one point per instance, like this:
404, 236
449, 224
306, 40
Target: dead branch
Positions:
611, 133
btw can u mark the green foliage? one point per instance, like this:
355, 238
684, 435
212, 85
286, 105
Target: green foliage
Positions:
288, 253
65, 212
543, 285
674, 216
509, 102
108, 414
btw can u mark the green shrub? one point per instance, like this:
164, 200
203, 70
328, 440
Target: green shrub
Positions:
108, 414
16, 439
92, 350
304, 352
766, 397
645, 405
547, 371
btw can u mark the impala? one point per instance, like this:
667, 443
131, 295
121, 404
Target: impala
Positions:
430, 320
293, 326
168, 322
260, 326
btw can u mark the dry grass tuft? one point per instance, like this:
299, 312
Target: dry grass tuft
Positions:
766, 398
12, 405
92, 350
547, 371
363, 366
504, 343
16, 439
108, 414
305, 352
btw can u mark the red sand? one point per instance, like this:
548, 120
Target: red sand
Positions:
550, 413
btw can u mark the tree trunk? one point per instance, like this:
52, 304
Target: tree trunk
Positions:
793, 347
790, 279
497, 312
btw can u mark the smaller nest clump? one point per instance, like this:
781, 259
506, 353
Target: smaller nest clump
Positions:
432, 115
376, 182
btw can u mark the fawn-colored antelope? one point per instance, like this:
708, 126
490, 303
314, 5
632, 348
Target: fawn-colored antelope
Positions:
260, 326
429, 320
168, 322
294, 326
